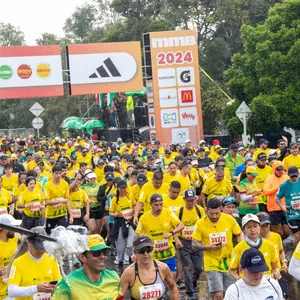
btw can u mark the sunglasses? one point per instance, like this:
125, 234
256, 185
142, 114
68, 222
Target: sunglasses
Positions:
98, 253
294, 176
147, 249
279, 169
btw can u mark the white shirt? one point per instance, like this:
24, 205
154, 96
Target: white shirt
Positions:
264, 291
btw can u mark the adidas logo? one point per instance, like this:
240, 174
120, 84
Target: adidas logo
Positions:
102, 71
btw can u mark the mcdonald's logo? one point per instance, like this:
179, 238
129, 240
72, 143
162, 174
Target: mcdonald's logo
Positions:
187, 96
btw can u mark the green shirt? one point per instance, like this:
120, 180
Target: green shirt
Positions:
92, 192
79, 287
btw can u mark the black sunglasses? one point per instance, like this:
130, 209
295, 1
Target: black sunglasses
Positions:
98, 253
279, 169
294, 176
147, 249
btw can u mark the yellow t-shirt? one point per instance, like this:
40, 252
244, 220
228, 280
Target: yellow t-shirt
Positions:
53, 192
23, 187
276, 239
136, 190
9, 183
189, 219
35, 197
169, 178
185, 182
260, 181
155, 228
168, 160
124, 206
148, 190
291, 160
267, 248
5, 199
26, 272
213, 233
31, 165
78, 199
213, 173
296, 253
87, 159
254, 158
212, 188
99, 173
173, 204
8, 249
46, 174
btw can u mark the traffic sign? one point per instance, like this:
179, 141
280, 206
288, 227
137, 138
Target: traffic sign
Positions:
37, 123
36, 109
243, 111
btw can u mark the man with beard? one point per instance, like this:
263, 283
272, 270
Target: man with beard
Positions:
8, 246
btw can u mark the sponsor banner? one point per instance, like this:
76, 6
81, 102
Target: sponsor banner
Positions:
152, 121
30, 72
176, 85
105, 67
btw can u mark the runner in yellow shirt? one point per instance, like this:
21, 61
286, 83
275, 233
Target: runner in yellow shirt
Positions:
172, 171
34, 274
8, 246
183, 177
161, 224
155, 186
173, 200
32, 203
293, 159
213, 235
9, 179
251, 228
6, 204
57, 201
141, 179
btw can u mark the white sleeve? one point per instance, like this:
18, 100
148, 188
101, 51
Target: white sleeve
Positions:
244, 197
294, 268
15, 291
231, 293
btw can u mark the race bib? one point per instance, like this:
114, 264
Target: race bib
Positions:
42, 296
36, 206
3, 210
187, 232
160, 246
151, 292
217, 238
127, 214
173, 208
76, 213
295, 204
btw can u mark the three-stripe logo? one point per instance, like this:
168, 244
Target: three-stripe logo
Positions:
102, 71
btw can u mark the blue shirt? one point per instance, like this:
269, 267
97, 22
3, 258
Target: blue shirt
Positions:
239, 169
291, 192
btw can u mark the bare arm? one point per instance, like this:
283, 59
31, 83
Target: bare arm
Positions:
283, 207
169, 280
126, 280
139, 206
240, 237
198, 246
234, 273
203, 200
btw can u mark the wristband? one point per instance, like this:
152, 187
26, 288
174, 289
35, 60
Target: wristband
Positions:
284, 261
172, 232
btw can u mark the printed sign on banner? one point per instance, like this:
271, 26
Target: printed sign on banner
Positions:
27, 72
105, 68
173, 68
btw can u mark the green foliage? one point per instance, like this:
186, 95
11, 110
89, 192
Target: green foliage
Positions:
48, 39
266, 75
11, 36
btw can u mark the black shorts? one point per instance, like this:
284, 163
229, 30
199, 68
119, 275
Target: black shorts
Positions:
277, 217
96, 213
52, 223
28, 222
80, 221
294, 225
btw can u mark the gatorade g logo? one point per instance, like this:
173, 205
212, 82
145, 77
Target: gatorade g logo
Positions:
185, 76
6, 72
187, 96
24, 71
43, 70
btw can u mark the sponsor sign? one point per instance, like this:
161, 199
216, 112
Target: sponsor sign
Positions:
105, 67
152, 121
169, 118
175, 84
27, 72
168, 97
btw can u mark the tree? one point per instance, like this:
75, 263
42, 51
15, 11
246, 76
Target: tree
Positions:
48, 39
267, 73
11, 36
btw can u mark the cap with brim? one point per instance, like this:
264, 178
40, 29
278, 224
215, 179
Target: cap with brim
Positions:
7, 219
109, 176
293, 171
121, 184
150, 157
293, 145
252, 170
261, 155
96, 243
141, 241
100, 161
37, 242
249, 217
141, 178
167, 152
263, 141
194, 162
83, 164
91, 175
264, 220
41, 162
253, 260
241, 148
189, 194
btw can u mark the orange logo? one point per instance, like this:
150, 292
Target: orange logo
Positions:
24, 71
43, 70
187, 96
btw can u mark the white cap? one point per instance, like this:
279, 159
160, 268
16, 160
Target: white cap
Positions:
158, 161
9, 220
195, 162
91, 175
88, 171
202, 142
272, 152
248, 218
188, 141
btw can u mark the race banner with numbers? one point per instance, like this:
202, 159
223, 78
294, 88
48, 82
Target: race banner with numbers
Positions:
175, 85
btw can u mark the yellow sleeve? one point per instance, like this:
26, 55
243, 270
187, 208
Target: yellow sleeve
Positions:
140, 228
143, 195
85, 196
47, 191
236, 230
273, 252
197, 234
113, 204
296, 253
56, 272
174, 220
235, 258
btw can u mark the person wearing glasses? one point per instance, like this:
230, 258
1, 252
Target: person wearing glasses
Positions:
147, 278
290, 190
294, 158
92, 280
271, 186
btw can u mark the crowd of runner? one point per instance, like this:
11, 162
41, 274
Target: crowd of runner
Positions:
167, 213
